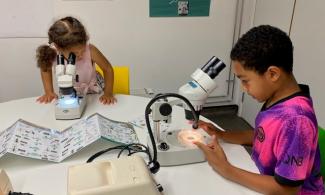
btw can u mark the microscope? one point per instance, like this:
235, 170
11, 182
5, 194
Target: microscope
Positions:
130, 175
175, 147
70, 105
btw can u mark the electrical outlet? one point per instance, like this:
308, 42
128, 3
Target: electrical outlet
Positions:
183, 8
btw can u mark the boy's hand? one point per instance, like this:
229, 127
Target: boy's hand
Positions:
214, 155
47, 98
210, 129
107, 99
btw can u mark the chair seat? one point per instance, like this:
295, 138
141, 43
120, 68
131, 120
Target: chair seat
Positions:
121, 79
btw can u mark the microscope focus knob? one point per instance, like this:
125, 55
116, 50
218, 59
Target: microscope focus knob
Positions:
163, 146
165, 109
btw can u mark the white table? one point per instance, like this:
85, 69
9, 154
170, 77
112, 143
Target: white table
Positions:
47, 178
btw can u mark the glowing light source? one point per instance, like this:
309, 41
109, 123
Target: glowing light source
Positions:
70, 101
187, 137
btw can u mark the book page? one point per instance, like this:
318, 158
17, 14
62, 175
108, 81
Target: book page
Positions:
33, 141
5, 137
116, 131
79, 136
30, 140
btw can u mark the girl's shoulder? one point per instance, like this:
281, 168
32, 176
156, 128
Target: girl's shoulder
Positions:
91, 46
94, 52
93, 49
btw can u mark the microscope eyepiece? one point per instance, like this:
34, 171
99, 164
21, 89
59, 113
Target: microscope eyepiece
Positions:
72, 58
60, 59
213, 67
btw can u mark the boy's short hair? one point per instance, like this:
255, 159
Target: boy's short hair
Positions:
263, 46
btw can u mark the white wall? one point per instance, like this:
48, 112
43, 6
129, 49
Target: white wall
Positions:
308, 36
277, 13
161, 52
19, 74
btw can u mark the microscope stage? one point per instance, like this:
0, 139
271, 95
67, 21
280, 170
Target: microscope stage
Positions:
71, 108
177, 147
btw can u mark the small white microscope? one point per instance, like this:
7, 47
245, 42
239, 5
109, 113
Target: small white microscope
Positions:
70, 105
175, 147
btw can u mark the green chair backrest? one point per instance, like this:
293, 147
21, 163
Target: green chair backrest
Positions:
321, 142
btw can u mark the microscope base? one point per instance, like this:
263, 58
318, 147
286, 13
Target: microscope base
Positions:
123, 176
180, 149
5, 185
68, 111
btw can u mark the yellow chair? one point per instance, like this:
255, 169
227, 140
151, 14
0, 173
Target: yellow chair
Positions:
121, 79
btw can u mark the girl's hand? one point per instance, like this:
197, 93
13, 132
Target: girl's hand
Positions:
215, 155
107, 99
47, 98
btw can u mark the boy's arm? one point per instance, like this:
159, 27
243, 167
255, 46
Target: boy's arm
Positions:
260, 183
235, 137
243, 137
107, 69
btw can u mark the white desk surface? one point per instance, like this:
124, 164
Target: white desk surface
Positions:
47, 178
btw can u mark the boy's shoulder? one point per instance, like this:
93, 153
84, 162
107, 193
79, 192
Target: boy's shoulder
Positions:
297, 102
294, 107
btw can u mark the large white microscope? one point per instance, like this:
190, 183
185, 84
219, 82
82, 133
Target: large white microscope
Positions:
131, 175
70, 105
175, 147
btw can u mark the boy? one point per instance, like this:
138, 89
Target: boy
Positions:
285, 138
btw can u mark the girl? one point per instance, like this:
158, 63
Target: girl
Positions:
65, 36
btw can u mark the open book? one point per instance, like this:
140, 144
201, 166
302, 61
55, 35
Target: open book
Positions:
29, 140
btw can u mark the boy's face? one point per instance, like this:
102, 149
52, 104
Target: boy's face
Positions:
256, 85
78, 50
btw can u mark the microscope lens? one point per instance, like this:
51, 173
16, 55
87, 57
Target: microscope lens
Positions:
60, 59
213, 67
72, 58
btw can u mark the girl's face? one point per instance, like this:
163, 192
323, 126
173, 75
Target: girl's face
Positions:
78, 50
256, 85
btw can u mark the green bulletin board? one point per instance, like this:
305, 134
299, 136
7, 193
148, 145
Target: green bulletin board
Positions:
179, 8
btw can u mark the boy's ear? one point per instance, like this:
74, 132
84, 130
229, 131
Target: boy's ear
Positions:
273, 73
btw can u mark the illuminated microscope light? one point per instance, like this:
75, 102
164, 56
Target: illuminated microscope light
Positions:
187, 137
68, 102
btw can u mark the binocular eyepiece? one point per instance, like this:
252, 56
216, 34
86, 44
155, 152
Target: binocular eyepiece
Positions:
71, 59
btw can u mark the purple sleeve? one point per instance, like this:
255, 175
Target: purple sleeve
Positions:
295, 149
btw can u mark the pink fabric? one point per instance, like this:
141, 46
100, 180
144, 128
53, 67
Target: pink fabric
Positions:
286, 143
86, 72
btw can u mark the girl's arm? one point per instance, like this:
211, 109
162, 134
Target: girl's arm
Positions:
107, 69
261, 183
48, 87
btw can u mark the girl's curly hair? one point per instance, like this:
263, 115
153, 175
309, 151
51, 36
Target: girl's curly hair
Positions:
65, 32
